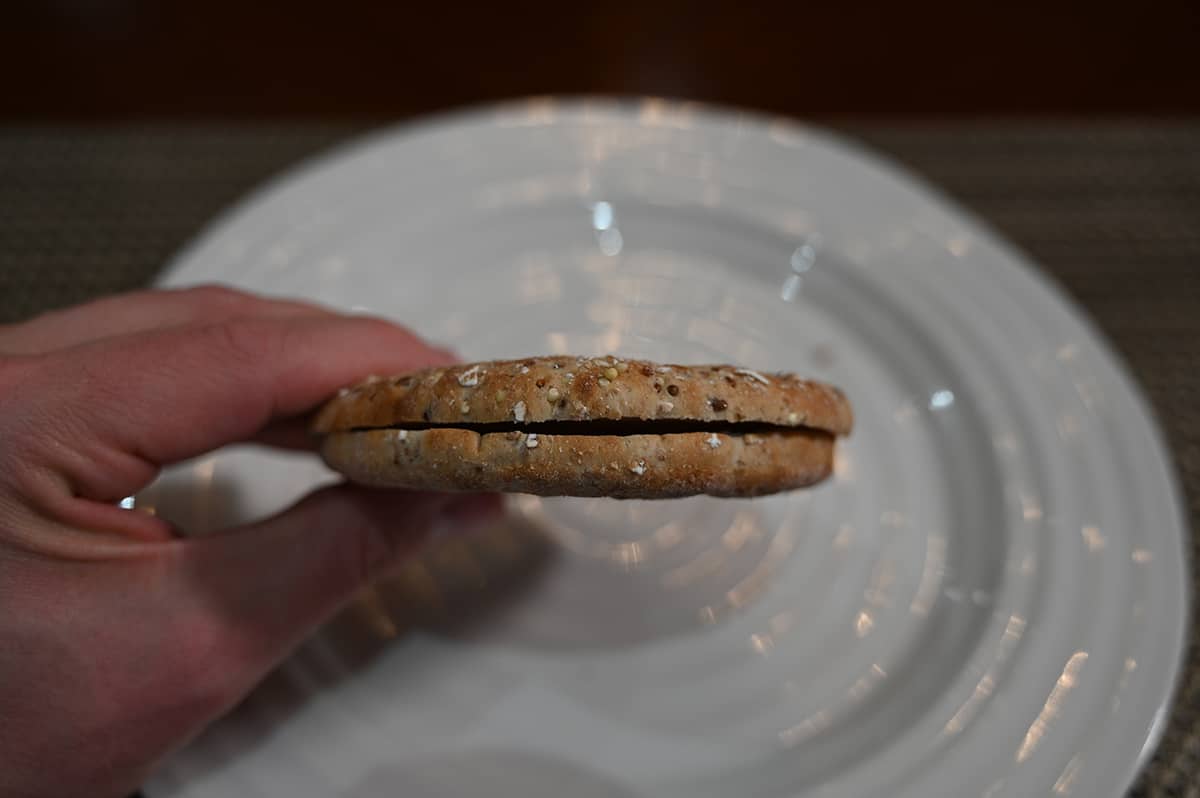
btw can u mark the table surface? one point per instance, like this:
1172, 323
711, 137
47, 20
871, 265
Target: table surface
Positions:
1111, 210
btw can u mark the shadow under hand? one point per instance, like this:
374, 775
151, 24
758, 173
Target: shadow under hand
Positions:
458, 587
597, 574
551, 576
477, 575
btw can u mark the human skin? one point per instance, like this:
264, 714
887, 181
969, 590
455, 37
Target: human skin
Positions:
120, 639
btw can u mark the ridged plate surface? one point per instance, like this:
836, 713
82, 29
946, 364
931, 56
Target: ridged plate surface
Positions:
988, 599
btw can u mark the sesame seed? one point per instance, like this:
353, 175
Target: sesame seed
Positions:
793, 418
622, 367
665, 407
519, 411
754, 375
713, 441
469, 378
465, 407
524, 369
531, 441
639, 467
402, 434
603, 382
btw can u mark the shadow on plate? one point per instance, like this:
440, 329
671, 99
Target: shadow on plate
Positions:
513, 584
610, 576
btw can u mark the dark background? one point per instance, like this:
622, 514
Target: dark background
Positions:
70, 60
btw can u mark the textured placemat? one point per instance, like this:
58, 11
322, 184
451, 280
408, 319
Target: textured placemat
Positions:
1111, 210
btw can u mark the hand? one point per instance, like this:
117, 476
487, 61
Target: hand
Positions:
120, 640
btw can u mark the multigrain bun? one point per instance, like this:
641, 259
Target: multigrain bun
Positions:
573, 426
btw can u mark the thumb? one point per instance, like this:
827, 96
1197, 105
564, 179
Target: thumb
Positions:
265, 586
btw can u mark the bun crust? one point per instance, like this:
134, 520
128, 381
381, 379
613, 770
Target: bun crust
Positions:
568, 426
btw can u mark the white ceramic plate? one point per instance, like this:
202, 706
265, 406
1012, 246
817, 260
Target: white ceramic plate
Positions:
988, 599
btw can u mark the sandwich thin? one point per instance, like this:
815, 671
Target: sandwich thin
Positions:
586, 427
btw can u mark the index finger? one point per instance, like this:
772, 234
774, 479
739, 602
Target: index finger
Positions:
141, 311
173, 394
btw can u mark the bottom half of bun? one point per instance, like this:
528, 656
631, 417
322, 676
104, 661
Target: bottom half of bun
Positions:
639, 466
